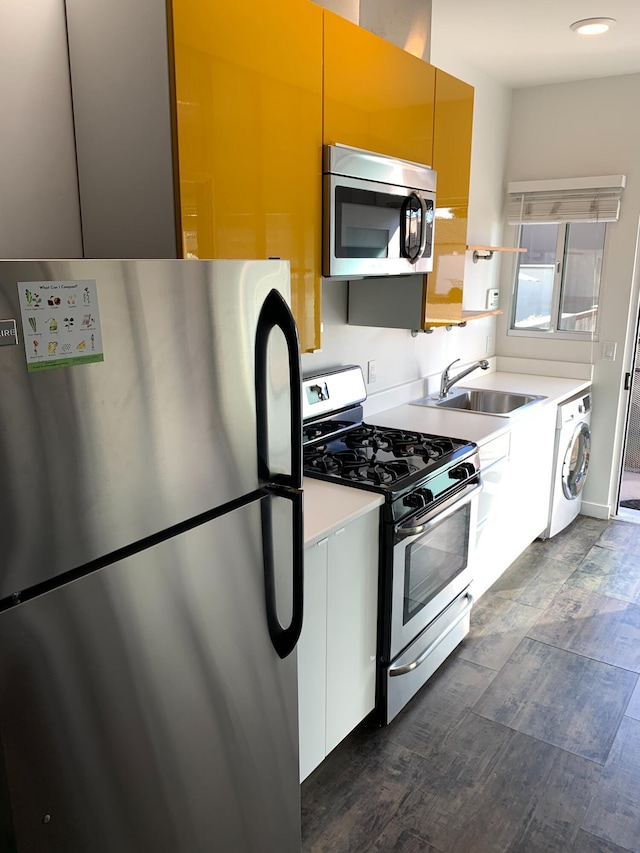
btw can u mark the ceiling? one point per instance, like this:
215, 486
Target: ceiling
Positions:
525, 43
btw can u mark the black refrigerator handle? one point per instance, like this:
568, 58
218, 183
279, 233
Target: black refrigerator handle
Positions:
276, 313
284, 639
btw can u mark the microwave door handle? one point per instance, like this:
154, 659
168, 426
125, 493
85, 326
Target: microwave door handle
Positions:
406, 231
276, 313
423, 226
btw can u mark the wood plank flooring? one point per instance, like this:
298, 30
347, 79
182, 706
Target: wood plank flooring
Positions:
528, 736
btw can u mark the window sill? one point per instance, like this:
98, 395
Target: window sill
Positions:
582, 337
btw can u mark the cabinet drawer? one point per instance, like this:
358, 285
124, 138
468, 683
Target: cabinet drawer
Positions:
492, 480
494, 450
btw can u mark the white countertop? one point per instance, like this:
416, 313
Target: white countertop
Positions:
470, 425
466, 426
552, 387
328, 505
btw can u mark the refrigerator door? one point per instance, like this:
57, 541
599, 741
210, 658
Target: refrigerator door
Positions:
94, 457
144, 708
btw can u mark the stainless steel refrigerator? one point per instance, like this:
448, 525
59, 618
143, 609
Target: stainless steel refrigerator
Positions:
151, 557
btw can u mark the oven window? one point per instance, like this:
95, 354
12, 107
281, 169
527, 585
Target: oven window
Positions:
432, 561
367, 223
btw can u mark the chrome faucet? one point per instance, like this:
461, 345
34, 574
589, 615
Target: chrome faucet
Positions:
446, 381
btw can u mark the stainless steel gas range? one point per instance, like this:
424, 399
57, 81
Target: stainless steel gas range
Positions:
431, 486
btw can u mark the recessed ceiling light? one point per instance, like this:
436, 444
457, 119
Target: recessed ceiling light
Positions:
592, 26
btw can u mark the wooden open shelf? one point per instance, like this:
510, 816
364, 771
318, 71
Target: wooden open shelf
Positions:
463, 318
490, 250
494, 249
478, 315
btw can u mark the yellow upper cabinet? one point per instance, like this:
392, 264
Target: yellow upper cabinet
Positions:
248, 88
453, 126
376, 95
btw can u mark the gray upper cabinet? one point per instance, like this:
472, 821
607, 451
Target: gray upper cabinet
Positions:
39, 214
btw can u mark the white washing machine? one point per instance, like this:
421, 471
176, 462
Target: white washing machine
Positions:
571, 461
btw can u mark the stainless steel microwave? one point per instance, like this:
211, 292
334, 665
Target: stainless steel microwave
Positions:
378, 214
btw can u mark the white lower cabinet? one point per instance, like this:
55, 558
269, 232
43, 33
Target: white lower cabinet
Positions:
337, 647
515, 499
312, 659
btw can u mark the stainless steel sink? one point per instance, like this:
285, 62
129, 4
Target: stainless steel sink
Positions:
502, 403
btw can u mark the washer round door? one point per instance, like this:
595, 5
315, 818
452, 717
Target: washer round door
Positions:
576, 462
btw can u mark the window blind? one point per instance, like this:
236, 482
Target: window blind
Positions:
570, 201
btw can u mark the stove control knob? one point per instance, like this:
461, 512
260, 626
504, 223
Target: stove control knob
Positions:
415, 500
462, 472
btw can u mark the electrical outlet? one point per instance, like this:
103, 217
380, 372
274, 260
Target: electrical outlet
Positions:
489, 345
371, 372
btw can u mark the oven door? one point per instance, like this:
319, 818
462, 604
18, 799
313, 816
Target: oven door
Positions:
432, 565
376, 229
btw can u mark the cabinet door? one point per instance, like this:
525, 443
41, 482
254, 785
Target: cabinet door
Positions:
376, 95
453, 124
352, 595
312, 659
520, 494
532, 436
248, 87
493, 548
452, 128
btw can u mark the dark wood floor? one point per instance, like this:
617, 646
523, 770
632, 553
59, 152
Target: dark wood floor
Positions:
527, 738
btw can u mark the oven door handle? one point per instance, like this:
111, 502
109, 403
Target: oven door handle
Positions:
438, 513
405, 668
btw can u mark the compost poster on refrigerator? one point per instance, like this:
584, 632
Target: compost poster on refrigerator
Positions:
60, 323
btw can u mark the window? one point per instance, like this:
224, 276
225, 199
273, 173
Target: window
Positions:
558, 278
562, 228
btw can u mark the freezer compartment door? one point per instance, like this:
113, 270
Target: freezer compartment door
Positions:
143, 707
97, 456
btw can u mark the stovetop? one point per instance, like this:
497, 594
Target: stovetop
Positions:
382, 459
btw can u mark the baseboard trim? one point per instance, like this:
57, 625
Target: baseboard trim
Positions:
595, 510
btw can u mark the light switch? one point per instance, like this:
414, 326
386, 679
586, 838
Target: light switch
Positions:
609, 350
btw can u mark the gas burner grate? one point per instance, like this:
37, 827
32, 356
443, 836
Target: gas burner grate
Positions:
378, 473
435, 447
400, 442
320, 460
355, 465
369, 437
381, 458
322, 429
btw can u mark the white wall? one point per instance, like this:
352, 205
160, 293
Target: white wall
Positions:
592, 128
399, 357
349, 9
407, 24
39, 210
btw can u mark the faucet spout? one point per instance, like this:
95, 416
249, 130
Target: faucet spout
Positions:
446, 381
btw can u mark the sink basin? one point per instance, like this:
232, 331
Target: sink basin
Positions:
502, 403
